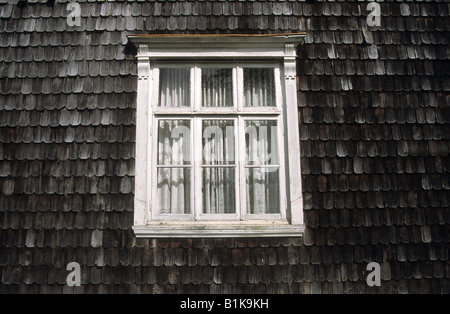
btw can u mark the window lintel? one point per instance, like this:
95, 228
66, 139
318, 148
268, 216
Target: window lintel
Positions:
216, 45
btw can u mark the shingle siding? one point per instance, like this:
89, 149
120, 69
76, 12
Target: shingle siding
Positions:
374, 129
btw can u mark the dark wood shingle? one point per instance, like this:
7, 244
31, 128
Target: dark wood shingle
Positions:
374, 136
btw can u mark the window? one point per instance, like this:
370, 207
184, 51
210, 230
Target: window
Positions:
207, 118
214, 125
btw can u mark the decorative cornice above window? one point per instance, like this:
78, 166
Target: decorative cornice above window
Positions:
212, 46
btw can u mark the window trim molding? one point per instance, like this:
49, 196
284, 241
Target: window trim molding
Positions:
281, 47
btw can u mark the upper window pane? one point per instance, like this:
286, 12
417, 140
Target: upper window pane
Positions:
259, 87
217, 87
174, 87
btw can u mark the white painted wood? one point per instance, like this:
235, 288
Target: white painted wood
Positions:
196, 87
213, 112
197, 168
236, 51
283, 168
293, 138
218, 229
215, 46
141, 201
240, 153
153, 152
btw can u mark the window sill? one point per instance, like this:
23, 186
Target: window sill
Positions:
217, 230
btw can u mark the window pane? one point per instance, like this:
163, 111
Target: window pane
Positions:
263, 190
217, 87
174, 142
218, 142
259, 87
174, 87
218, 187
174, 191
261, 142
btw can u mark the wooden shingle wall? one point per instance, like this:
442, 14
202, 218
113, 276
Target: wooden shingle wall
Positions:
374, 129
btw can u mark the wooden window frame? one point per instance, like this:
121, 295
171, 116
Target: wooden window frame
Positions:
237, 52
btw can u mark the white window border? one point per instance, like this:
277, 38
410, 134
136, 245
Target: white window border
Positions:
281, 47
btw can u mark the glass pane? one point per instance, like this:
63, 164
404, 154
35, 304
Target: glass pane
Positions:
263, 190
218, 142
261, 142
217, 88
174, 142
174, 191
218, 187
174, 87
259, 87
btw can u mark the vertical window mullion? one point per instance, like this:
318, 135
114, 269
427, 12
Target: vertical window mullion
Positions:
154, 162
193, 169
237, 172
198, 151
240, 165
282, 168
278, 86
235, 89
239, 88
197, 87
155, 95
193, 92
197, 141
240, 138
240, 141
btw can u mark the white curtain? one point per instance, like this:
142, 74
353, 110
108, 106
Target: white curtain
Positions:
174, 87
218, 167
218, 170
217, 87
262, 167
259, 87
174, 172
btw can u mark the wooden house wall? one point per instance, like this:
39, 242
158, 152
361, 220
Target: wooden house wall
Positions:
374, 128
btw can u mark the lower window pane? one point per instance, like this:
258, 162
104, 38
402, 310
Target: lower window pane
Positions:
218, 142
218, 186
174, 142
174, 191
263, 190
261, 142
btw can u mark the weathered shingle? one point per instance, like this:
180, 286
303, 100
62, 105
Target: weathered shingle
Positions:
374, 136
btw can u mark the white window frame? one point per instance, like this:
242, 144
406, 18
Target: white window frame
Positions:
251, 50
